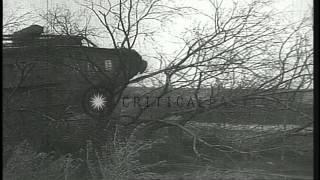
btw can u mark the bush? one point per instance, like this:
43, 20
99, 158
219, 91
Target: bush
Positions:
25, 163
123, 163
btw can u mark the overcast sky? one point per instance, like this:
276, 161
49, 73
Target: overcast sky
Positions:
293, 10
294, 6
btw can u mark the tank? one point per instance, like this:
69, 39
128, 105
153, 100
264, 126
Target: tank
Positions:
47, 78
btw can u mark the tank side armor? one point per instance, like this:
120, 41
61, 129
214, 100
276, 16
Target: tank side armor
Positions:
27, 35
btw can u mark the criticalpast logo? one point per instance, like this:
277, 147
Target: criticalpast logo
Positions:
97, 101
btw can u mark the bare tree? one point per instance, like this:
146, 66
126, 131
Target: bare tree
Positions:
242, 57
254, 58
12, 22
128, 21
63, 21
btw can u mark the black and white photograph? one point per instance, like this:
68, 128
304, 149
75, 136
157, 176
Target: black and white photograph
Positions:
158, 90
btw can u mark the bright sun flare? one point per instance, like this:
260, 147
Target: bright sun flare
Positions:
97, 101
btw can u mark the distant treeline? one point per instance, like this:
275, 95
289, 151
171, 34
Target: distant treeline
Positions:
244, 111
